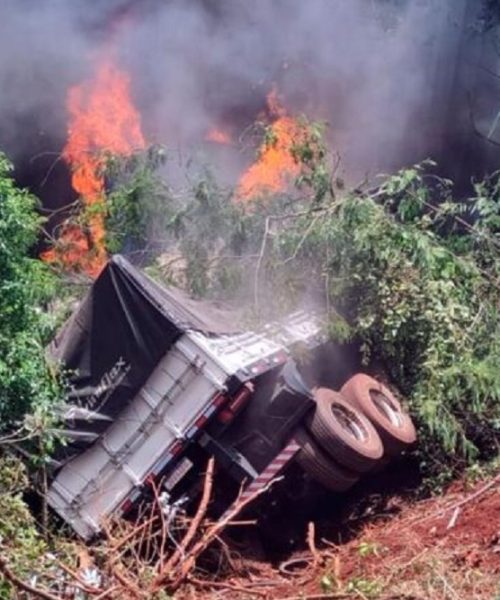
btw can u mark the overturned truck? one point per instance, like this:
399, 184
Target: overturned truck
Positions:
159, 382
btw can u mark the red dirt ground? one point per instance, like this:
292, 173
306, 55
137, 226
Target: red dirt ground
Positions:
447, 547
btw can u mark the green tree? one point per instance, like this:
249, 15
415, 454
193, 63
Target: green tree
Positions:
26, 381
413, 273
407, 268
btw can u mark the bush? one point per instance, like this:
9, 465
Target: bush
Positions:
408, 269
25, 285
415, 275
19, 538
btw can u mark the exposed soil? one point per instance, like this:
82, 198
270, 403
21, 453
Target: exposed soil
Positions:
446, 547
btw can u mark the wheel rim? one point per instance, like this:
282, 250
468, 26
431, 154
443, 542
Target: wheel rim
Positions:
387, 408
349, 422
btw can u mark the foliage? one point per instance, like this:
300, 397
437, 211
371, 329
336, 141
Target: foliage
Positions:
219, 235
418, 284
408, 269
26, 381
137, 205
199, 227
310, 152
367, 549
19, 537
367, 588
198, 234
29, 556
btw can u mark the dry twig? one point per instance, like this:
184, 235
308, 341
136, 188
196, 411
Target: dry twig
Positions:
311, 533
228, 586
196, 521
22, 585
189, 562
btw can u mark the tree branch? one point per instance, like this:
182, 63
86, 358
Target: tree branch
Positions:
22, 585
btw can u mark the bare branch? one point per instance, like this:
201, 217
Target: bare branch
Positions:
22, 585
196, 521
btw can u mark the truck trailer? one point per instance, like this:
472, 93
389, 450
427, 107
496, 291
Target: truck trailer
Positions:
159, 382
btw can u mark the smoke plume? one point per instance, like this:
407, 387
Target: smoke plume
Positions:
379, 71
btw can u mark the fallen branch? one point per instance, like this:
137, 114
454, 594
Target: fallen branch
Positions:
131, 535
164, 525
210, 534
107, 593
470, 498
22, 585
476, 494
311, 533
349, 595
195, 522
127, 584
81, 583
228, 586
319, 597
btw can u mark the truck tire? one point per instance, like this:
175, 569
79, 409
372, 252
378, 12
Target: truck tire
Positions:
344, 432
376, 402
320, 466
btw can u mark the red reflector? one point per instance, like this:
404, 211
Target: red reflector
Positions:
176, 448
258, 367
280, 357
127, 505
219, 399
240, 399
200, 421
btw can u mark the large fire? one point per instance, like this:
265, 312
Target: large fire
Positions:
102, 119
275, 167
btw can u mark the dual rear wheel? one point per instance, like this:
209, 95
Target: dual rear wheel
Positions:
352, 432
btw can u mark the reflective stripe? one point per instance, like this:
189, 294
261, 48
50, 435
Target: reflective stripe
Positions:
210, 411
270, 472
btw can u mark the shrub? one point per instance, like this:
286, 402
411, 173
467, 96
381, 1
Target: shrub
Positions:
25, 285
414, 274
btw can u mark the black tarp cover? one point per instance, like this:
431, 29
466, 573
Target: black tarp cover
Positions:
113, 341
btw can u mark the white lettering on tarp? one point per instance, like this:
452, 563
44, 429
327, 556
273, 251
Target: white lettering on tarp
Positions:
108, 383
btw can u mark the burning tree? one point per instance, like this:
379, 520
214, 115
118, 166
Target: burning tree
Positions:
103, 120
276, 167
400, 268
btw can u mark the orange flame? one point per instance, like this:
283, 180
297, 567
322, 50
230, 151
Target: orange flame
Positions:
102, 119
275, 167
218, 136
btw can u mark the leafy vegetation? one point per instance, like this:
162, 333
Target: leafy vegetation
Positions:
136, 194
20, 539
408, 269
418, 285
26, 382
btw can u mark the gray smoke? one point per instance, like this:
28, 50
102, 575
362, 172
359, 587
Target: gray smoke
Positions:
379, 71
